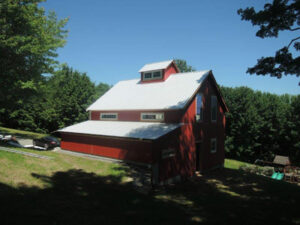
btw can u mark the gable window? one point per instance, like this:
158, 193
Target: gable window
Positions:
108, 116
214, 108
213, 145
153, 75
199, 107
152, 116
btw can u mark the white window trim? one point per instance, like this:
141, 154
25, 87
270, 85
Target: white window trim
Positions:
168, 153
152, 78
101, 114
216, 145
152, 113
198, 117
211, 111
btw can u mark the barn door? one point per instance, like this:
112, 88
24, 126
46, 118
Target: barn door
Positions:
198, 154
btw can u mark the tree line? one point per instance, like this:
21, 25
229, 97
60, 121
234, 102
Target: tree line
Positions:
60, 100
260, 125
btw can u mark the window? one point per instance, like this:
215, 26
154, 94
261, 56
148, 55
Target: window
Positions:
157, 74
152, 116
153, 75
213, 145
199, 107
109, 116
147, 75
214, 108
167, 153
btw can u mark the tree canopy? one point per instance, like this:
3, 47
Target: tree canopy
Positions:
280, 15
183, 66
61, 101
260, 125
28, 43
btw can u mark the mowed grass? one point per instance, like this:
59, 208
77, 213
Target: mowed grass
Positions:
19, 169
235, 164
21, 133
73, 190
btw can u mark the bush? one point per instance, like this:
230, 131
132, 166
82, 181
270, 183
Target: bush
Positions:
265, 171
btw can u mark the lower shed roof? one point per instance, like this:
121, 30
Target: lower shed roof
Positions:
140, 130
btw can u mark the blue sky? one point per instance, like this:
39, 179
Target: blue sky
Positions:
111, 40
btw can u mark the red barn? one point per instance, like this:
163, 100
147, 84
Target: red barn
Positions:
171, 122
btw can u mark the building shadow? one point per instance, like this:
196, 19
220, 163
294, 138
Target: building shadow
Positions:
78, 197
236, 197
224, 196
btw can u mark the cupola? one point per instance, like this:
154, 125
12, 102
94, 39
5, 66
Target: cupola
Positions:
159, 71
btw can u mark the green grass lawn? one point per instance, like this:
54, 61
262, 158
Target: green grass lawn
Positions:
21, 133
235, 164
72, 190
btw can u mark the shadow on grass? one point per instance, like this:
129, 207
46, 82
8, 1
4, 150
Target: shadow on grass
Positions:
237, 197
78, 197
223, 196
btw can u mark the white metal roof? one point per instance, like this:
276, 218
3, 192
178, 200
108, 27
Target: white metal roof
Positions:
156, 66
141, 130
173, 93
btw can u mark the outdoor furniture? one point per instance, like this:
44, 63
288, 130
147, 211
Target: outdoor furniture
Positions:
290, 173
283, 170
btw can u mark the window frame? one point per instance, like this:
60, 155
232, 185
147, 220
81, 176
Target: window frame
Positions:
152, 113
216, 145
201, 115
102, 114
152, 75
168, 153
211, 108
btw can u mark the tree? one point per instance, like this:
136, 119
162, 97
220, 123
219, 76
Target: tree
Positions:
280, 15
260, 125
28, 43
183, 66
70, 93
62, 100
294, 131
101, 88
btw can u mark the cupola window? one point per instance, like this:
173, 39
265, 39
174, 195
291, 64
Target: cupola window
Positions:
152, 75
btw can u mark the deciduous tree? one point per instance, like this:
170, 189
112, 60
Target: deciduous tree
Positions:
183, 66
280, 15
28, 42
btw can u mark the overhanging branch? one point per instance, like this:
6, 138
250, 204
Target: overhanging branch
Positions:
293, 41
294, 29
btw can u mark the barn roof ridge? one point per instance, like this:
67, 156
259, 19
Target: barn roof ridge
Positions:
173, 93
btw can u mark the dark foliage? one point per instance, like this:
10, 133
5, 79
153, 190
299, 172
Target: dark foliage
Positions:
280, 15
60, 100
260, 125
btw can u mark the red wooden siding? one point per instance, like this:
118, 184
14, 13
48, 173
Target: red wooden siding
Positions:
170, 70
185, 161
132, 150
171, 116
